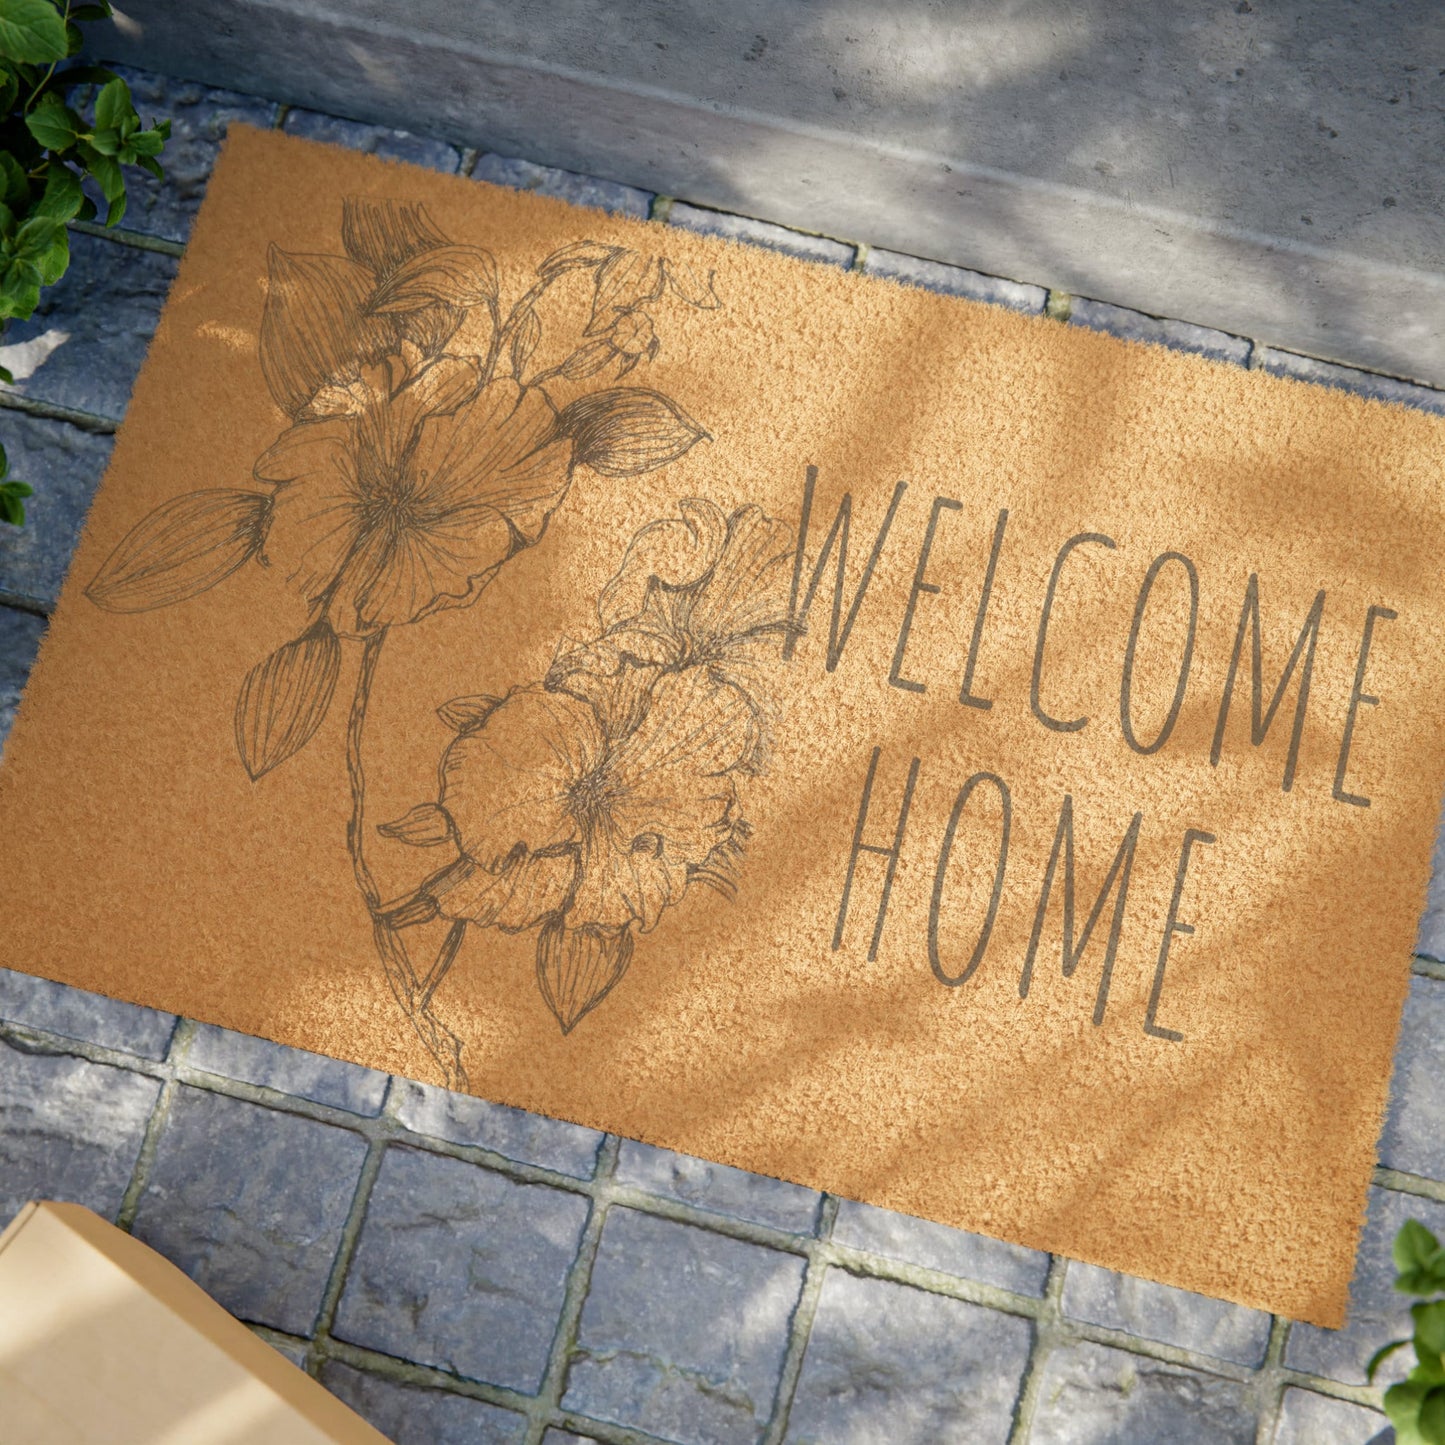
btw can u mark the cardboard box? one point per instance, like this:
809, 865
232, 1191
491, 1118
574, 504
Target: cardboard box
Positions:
103, 1342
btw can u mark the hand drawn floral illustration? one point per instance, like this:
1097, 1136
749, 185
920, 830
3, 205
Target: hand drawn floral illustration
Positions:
420, 457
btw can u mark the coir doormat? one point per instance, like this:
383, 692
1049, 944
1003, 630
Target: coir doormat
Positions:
935, 755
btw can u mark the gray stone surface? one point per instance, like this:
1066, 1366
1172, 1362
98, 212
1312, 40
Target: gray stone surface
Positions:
1092, 1395
1179, 335
717, 1187
1172, 1316
761, 233
954, 280
69, 1130
581, 190
291, 1071
1414, 1133
376, 140
294, 1353
1346, 378
199, 117
413, 1415
85, 343
513, 1133
1431, 938
250, 1203
684, 1331
461, 1268
1244, 165
936, 1246
1306, 1418
75, 1014
889, 1363
20, 634
64, 464
1377, 1312
566, 1437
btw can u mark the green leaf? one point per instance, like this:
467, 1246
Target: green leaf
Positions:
86, 13
12, 509
4, 460
1402, 1404
1432, 1416
147, 142
107, 175
31, 30
53, 123
116, 210
1380, 1356
17, 489
1430, 1326
74, 38
9, 89
1414, 1246
112, 105
7, 221
63, 196
14, 185
107, 142
151, 164
19, 290
87, 210
8, 377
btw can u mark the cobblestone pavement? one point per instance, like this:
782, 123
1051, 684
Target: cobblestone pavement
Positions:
459, 1271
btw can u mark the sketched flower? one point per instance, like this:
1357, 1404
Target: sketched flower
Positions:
411, 505
561, 817
706, 588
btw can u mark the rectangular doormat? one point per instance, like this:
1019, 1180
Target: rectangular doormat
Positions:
939, 756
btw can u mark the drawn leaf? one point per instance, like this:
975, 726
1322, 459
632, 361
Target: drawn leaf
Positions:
313, 330
524, 341
464, 276
184, 547
627, 430
578, 967
697, 290
425, 826
284, 699
382, 235
626, 280
466, 714
588, 359
575, 257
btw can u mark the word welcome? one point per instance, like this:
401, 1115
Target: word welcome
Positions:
1262, 714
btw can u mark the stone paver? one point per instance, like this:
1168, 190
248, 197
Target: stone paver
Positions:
413, 1415
1093, 1395
522, 175
936, 1246
85, 343
290, 1071
1414, 1133
684, 1331
20, 634
1306, 1418
461, 1268
69, 1130
199, 117
250, 1203
1347, 378
1160, 1312
761, 233
1378, 1313
1179, 335
954, 280
717, 1187
376, 140
64, 465
886, 1362
92, 1017
513, 1133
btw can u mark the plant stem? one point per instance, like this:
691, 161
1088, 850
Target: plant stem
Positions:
440, 1042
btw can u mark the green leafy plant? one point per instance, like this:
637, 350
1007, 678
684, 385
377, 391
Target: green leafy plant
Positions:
48, 149
1416, 1406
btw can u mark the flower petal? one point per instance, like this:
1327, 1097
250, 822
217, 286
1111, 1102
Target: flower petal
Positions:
675, 552
316, 519
510, 781
749, 590
624, 880
672, 772
528, 889
384, 234
314, 329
